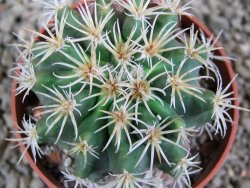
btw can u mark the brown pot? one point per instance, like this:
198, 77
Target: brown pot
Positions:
222, 148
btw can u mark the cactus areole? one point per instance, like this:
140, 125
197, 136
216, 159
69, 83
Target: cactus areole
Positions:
121, 91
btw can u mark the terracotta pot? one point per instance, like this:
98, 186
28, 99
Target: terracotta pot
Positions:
222, 148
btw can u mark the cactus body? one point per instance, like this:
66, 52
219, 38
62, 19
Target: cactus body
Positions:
119, 87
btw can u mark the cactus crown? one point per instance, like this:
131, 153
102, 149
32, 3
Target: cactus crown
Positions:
119, 87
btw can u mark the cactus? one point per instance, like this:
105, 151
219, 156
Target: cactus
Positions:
119, 86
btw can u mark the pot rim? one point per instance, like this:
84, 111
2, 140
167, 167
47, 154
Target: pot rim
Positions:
52, 183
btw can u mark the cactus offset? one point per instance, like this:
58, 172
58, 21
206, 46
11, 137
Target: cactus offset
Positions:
119, 87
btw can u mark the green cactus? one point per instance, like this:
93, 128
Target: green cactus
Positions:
119, 87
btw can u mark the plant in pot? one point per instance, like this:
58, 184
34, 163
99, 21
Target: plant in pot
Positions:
122, 87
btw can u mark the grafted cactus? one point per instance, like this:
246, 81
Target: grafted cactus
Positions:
119, 87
